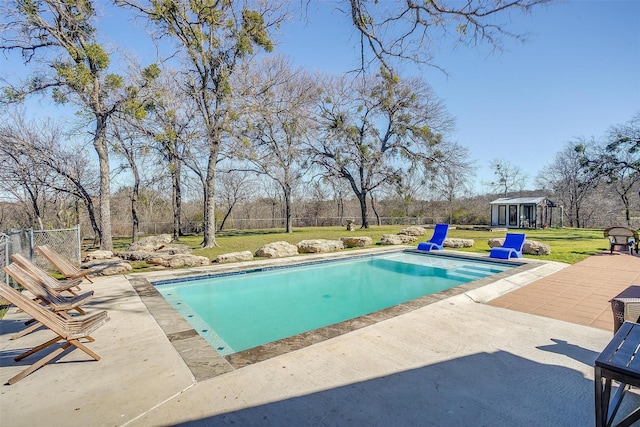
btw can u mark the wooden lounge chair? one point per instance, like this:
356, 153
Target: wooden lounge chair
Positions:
436, 241
69, 330
62, 264
623, 237
44, 277
511, 248
51, 298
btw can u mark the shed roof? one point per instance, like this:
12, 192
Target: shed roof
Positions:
521, 201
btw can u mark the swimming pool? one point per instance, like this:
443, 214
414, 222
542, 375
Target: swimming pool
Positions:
235, 312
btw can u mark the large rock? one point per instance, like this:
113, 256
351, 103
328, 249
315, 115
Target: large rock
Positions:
234, 257
134, 256
317, 246
458, 243
177, 260
150, 243
173, 249
94, 255
414, 230
277, 250
356, 242
530, 247
108, 267
397, 239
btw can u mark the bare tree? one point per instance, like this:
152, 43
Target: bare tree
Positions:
616, 159
409, 30
168, 128
126, 144
571, 184
19, 177
76, 71
234, 187
68, 169
453, 176
277, 121
508, 177
373, 127
213, 38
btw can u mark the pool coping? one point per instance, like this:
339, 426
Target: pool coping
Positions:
205, 362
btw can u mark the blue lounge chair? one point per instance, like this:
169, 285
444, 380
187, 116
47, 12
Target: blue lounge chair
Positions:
511, 248
436, 241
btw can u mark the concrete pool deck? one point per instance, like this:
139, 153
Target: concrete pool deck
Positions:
453, 362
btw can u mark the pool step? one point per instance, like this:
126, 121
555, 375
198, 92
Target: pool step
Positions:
462, 274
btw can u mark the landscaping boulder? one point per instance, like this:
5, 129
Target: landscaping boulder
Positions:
397, 239
94, 255
134, 256
458, 243
414, 230
356, 242
530, 247
495, 242
150, 243
234, 257
108, 267
277, 250
177, 260
317, 246
159, 250
174, 248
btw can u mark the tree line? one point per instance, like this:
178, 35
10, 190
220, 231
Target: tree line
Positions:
223, 115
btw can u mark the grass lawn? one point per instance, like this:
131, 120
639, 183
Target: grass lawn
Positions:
568, 245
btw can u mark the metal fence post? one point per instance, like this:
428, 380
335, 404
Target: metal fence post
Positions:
4, 241
31, 244
78, 240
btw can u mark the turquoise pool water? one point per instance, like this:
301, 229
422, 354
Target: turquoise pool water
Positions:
235, 312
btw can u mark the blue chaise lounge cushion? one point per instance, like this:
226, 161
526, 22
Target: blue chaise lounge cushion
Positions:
436, 241
511, 248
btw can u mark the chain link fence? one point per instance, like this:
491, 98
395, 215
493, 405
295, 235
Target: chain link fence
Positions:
24, 241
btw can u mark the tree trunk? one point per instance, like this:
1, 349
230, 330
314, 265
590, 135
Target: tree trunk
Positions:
226, 215
176, 197
209, 240
375, 212
627, 212
135, 192
287, 207
362, 197
135, 223
100, 144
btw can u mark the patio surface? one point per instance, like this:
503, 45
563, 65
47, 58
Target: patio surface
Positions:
457, 361
578, 294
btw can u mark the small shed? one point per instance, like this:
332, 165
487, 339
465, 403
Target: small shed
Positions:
522, 212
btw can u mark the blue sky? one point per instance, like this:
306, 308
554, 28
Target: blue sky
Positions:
578, 74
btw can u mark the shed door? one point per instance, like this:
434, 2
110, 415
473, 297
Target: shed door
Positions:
529, 216
513, 215
502, 215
